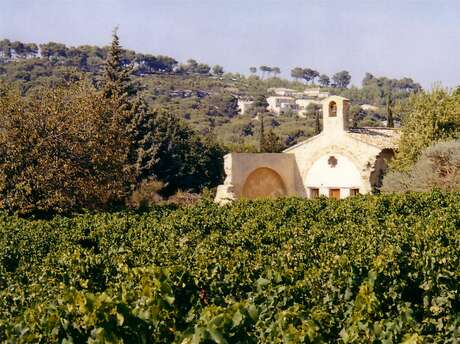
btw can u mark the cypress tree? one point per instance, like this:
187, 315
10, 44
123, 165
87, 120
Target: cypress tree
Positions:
390, 120
262, 134
317, 123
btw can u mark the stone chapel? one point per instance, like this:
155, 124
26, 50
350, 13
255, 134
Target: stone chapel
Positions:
339, 162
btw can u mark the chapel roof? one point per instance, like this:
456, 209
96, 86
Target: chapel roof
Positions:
378, 137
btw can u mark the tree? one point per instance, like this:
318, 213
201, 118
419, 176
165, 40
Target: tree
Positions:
260, 104
271, 143
437, 167
218, 70
166, 64
53, 50
203, 69
276, 71
117, 86
390, 119
264, 69
368, 79
430, 117
297, 73
181, 159
269, 70
31, 49
5, 49
324, 80
19, 49
310, 74
314, 111
115, 79
253, 70
261, 134
161, 146
341, 79
61, 150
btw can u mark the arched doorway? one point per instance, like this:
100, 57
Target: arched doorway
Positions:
264, 182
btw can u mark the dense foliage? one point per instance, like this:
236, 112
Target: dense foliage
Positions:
76, 146
431, 117
61, 149
182, 159
364, 270
438, 167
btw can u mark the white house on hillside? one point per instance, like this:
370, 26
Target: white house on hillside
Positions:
281, 104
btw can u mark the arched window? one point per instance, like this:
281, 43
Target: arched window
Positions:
332, 109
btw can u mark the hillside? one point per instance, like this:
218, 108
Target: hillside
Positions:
204, 97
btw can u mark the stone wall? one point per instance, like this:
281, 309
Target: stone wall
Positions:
261, 169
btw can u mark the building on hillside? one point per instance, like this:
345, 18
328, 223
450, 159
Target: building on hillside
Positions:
244, 105
287, 100
316, 93
281, 104
303, 104
369, 107
280, 91
337, 163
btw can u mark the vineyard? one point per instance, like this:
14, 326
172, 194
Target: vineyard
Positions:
373, 269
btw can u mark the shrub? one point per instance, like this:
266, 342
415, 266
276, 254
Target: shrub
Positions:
146, 194
184, 198
438, 167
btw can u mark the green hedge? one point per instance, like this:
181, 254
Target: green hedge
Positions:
375, 269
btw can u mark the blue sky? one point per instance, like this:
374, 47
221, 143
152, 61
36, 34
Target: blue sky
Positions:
394, 38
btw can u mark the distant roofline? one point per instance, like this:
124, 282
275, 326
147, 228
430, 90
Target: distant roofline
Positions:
374, 128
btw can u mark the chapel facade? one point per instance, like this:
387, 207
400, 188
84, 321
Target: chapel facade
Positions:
339, 162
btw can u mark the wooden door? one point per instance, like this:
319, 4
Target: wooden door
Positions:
334, 193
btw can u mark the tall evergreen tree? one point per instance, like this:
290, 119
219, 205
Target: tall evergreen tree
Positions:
262, 134
390, 119
116, 77
144, 147
313, 111
116, 85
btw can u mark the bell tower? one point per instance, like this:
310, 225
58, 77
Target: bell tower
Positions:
335, 114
